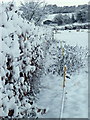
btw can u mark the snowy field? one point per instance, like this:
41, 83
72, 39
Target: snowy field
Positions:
73, 37
76, 97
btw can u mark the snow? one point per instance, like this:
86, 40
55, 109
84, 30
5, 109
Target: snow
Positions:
26, 52
69, 14
76, 97
73, 37
76, 105
21, 53
76, 100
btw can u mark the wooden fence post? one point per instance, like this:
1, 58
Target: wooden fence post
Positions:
65, 68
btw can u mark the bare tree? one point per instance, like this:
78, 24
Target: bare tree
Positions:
33, 11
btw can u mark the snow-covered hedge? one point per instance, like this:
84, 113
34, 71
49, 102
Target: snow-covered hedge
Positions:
61, 54
21, 55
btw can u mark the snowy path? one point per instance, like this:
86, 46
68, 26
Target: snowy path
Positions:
76, 99
51, 96
76, 102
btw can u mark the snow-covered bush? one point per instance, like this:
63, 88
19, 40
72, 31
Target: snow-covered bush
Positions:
21, 55
59, 56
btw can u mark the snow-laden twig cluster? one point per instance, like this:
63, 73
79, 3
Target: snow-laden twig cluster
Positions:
21, 55
60, 55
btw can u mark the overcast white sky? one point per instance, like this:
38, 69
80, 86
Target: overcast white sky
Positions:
58, 2
67, 2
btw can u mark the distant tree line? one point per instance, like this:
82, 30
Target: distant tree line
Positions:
66, 9
80, 17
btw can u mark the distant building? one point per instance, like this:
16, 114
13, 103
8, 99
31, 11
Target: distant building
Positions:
49, 22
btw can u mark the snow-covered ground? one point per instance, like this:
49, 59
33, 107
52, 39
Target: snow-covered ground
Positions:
76, 98
73, 37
